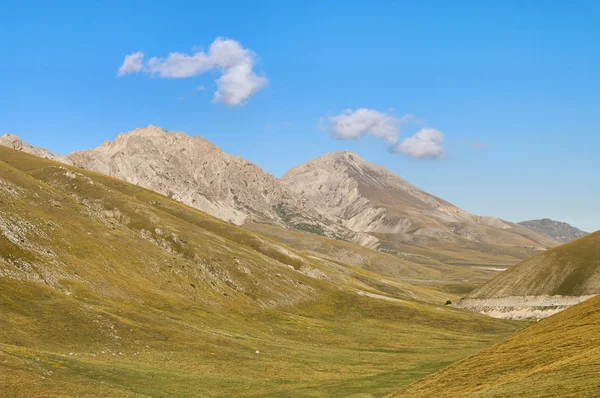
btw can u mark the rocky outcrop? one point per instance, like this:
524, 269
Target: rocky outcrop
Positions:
521, 307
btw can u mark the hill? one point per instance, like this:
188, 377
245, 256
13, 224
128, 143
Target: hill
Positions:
543, 284
561, 231
109, 289
557, 357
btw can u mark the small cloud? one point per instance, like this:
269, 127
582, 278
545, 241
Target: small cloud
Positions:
133, 63
200, 88
237, 82
180, 98
426, 144
355, 124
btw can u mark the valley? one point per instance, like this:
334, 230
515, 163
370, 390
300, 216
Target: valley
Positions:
279, 199
108, 289
111, 289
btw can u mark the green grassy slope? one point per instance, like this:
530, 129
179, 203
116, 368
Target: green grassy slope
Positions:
572, 269
108, 289
557, 357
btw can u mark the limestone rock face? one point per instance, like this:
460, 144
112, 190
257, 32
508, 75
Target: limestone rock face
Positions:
338, 194
196, 172
365, 197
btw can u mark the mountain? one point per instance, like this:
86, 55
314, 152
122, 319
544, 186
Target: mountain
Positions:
368, 198
544, 284
557, 357
109, 289
561, 231
338, 195
196, 172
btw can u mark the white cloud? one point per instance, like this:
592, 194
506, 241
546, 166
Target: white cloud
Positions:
178, 65
355, 124
237, 84
238, 80
200, 88
423, 145
133, 63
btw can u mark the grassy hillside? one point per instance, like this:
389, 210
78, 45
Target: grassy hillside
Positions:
572, 269
557, 357
443, 269
108, 289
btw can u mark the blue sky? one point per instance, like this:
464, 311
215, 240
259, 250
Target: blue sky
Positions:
512, 85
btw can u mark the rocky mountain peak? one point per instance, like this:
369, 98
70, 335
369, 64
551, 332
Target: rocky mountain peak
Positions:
337, 194
198, 173
366, 197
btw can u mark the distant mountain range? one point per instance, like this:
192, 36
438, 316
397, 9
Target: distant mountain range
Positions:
337, 195
561, 231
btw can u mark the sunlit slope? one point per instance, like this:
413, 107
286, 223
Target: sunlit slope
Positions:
108, 289
370, 199
542, 285
440, 268
557, 357
572, 269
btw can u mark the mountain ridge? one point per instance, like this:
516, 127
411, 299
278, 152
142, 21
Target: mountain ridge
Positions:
561, 231
198, 173
368, 197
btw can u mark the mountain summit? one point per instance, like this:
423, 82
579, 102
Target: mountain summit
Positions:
337, 194
365, 197
196, 172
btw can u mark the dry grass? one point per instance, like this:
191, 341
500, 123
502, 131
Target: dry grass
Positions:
557, 357
571, 269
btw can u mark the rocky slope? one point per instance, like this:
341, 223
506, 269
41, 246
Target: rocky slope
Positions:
197, 173
365, 197
543, 284
337, 195
561, 231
